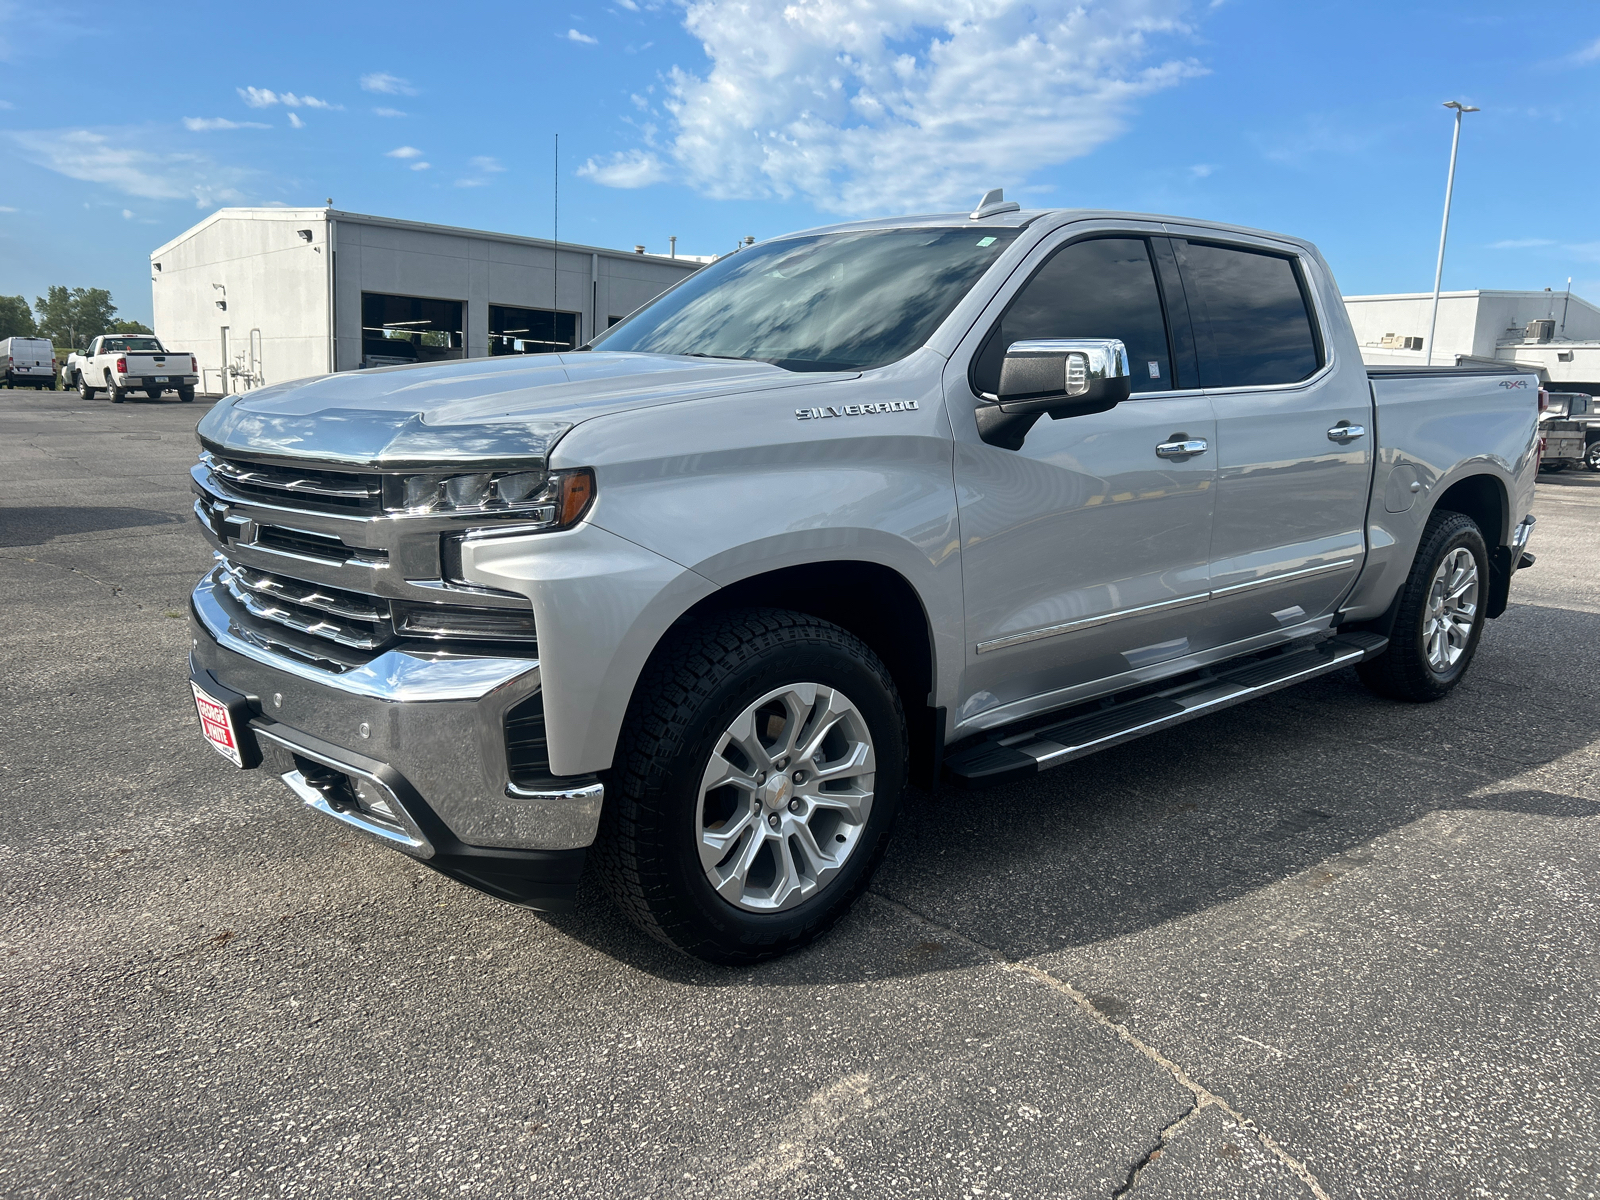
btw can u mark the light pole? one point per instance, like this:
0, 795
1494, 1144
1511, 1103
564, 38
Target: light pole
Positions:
1450, 183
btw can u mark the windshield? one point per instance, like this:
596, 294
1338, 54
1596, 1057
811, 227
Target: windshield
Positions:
831, 302
124, 345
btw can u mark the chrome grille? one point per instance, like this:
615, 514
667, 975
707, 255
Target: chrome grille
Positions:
299, 487
346, 618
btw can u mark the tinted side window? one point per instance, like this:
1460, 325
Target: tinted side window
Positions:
1250, 316
1105, 288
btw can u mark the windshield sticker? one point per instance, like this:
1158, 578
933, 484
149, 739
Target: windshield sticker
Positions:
988, 241
854, 410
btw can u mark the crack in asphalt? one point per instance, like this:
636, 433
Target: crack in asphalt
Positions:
1203, 1096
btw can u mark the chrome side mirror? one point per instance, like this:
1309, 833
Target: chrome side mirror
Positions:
1058, 377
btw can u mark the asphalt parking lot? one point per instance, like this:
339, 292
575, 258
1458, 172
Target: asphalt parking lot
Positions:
1319, 945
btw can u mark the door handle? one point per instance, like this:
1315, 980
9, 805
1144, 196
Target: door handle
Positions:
1185, 448
1345, 432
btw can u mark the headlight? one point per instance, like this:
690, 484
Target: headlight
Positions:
554, 498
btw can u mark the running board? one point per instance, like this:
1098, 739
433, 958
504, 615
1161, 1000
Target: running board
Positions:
1004, 757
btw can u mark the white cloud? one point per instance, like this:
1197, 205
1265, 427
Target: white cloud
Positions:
295, 121
628, 4
6, 208
265, 98
627, 169
574, 36
1201, 170
485, 166
127, 214
1520, 243
1589, 54
7, 104
403, 152
207, 124
386, 84
867, 106
421, 166
388, 112
119, 159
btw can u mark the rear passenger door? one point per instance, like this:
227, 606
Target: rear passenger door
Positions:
1294, 438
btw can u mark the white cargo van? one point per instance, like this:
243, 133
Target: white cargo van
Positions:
28, 362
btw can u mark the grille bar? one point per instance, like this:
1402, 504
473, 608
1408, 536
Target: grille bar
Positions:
337, 491
320, 623
309, 595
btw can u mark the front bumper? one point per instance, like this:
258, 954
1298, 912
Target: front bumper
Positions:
425, 728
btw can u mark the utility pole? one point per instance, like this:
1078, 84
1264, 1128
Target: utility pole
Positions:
1449, 187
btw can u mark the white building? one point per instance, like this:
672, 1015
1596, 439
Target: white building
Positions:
264, 295
1556, 334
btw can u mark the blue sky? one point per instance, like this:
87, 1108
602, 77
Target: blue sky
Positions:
714, 119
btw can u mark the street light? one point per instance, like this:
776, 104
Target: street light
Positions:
1450, 183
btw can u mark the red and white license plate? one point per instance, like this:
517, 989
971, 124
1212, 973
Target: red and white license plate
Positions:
216, 724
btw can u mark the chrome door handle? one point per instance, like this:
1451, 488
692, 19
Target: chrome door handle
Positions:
1183, 449
1346, 433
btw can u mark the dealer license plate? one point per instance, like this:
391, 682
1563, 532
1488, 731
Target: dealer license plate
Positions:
216, 724
161, 378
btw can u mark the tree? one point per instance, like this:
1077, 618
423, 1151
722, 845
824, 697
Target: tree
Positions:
15, 318
128, 327
72, 317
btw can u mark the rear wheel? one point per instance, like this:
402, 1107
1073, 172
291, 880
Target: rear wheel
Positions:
1441, 617
756, 783
117, 394
84, 390
186, 395
1591, 458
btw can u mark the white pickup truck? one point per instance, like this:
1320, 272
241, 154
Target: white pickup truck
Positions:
119, 363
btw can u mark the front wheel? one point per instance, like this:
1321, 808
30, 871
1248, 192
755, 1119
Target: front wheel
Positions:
755, 785
1591, 458
1440, 620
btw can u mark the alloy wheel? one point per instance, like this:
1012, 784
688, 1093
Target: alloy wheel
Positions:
785, 797
1452, 610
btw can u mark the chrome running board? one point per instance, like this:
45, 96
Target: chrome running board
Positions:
1003, 756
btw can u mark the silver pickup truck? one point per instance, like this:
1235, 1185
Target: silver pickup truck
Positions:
958, 497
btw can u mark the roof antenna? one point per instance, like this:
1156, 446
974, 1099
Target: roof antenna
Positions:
555, 253
994, 202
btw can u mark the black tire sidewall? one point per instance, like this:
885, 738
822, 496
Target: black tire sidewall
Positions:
1468, 535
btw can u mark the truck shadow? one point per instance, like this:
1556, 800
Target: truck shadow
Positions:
35, 526
1293, 787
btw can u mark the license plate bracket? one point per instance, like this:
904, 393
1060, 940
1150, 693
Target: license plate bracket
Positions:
161, 378
225, 721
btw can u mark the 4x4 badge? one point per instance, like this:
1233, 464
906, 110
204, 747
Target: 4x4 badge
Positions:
854, 410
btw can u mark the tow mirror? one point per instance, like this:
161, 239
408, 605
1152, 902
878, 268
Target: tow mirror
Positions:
1057, 377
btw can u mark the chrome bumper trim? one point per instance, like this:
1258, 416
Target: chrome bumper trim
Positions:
411, 839
1522, 532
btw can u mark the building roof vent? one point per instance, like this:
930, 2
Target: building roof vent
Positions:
638, 249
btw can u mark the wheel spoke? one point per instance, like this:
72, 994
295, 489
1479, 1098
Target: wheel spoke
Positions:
715, 843
789, 883
742, 733
850, 801
798, 703
854, 763
722, 773
821, 860
734, 878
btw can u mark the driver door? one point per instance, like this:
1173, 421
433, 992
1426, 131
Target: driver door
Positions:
1085, 553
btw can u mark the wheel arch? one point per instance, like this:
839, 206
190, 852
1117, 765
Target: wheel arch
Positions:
1484, 498
874, 602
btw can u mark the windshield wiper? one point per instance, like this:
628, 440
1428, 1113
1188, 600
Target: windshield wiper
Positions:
728, 357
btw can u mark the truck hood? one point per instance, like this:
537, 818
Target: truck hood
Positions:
481, 410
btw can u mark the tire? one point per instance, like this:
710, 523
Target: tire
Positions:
1591, 456
84, 390
186, 395
117, 394
1424, 661
154, 393
790, 856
